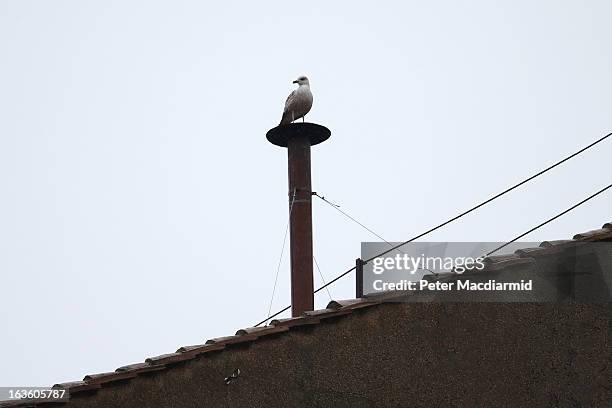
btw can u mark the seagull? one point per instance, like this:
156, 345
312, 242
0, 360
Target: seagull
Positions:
298, 103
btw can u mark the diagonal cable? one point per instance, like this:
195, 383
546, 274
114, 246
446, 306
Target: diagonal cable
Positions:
551, 219
337, 208
280, 258
494, 197
322, 278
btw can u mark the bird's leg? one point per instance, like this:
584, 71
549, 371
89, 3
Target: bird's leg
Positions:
303, 118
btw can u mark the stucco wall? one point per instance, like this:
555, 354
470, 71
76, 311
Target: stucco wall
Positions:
400, 355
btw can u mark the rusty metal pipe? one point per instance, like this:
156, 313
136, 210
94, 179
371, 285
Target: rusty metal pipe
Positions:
302, 286
297, 138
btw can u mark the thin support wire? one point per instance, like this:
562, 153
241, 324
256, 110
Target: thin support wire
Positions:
337, 208
322, 278
280, 258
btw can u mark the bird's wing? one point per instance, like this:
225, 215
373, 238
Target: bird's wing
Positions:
287, 116
289, 100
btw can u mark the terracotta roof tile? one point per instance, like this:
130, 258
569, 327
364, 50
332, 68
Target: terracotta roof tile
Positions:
295, 321
163, 358
326, 313
173, 358
190, 348
201, 348
78, 386
499, 262
228, 340
262, 331
69, 385
556, 243
132, 367
532, 252
139, 368
388, 296
350, 303
595, 235
445, 276
108, 377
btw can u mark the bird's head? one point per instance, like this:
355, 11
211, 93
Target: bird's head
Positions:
302, 81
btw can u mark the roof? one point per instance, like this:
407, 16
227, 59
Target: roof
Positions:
336, 308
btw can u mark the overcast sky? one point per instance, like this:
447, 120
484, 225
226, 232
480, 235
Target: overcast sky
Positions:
142, 209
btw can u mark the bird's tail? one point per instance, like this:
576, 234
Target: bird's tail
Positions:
286, 119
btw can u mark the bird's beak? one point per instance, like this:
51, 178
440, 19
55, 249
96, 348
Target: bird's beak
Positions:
296, 82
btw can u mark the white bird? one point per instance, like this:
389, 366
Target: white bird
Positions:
298, 103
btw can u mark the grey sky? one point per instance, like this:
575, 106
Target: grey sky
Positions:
142, 208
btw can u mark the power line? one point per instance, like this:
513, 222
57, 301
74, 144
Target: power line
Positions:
492, 198
273, 316
551, 219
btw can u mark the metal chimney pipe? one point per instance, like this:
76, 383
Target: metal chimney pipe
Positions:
302, 298
297, 138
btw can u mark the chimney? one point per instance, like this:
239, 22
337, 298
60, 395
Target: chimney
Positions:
297, 138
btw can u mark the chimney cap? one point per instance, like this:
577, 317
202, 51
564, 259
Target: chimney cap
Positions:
281, 134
